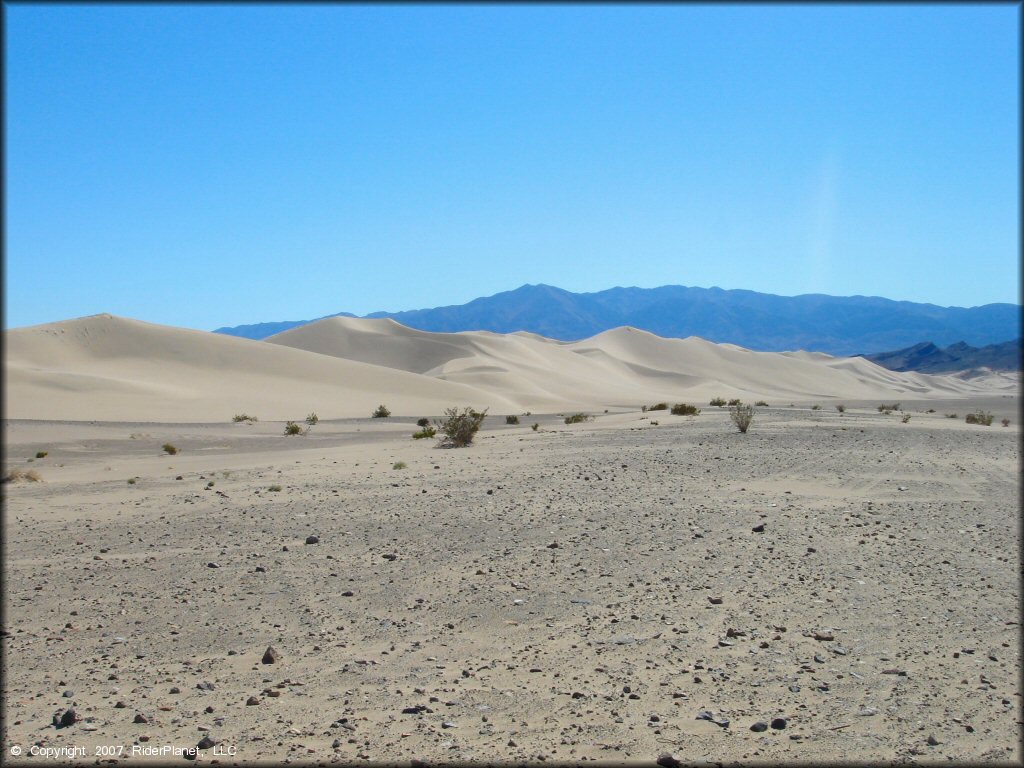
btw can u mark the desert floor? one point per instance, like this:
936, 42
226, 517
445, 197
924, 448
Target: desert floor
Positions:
581, 592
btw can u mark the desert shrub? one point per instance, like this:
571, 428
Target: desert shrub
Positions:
211, 484
841, 408
930, 410
741, 416
577, 418
244, 417
905, 418
399, 465
168, 448
979, 417
735, 401
382, 412
535, 427
17, 475
41, 454
655, 423
815, 407
312, 419
643, 409
883, 408
717, 401
424, 422
511, 419
291, 428
275, 488
1005, 422
459, 427
425, 432
952, 416
684, 409
131, 481
658, 407
761, 403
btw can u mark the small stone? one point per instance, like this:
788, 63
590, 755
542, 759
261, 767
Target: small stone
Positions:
312, 539
70, 717
933, 742
212, 565
120, 705
667, 760
795, 688
271, 655
347, 593
175, 689
68, 694
207, 743
140, 718
824, 636
252, 701
390, 556
779, 723
715, 600
758, 528
759, 726
554, 545
206, 685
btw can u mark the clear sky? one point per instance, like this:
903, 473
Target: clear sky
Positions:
204, 165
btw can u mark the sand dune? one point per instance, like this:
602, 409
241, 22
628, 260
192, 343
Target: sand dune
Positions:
109, 368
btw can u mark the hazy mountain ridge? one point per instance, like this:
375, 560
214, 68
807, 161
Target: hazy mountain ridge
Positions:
926, 357
845, 325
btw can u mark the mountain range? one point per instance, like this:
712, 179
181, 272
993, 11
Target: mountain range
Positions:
926, 357
837, 325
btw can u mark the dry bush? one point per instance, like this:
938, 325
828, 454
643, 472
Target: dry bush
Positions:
658, 407
425, 432
1005, 422
382, 412
312, 419
684, 409
761, 403
905, 418
18, 475
244, 417
291, 428
459, 427
741, 416
170, 449
984, 418
578, 418
717, 401
841, 408
511, 419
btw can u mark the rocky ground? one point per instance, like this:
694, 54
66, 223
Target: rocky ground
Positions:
825, 587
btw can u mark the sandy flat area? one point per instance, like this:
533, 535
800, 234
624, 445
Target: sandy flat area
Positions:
591, 592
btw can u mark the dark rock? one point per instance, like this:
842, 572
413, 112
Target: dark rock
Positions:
667, 760
715, 600
120, 705
312, 539
779, 723
252, 701
758, 528
933, 742
824, 636
347, 593
759, 726
212, 565
554, 545
140, 718
175, 689
271, 655
70, 717
206, 685
68, 694
207, 743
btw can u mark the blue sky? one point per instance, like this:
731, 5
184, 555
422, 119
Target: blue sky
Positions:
203, 165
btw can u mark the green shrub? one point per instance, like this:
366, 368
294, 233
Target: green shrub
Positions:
425, 432
511, 419
979, 417
683, 409
883, 408
535, 427
424, 422
291, 428
312, 419
399, 465
930, 410
41, 454
658, 407
275, 488
952, 416
841, 408
717, 401
735, 401
577, 418
244, 417
815, 407
459, 427
741, 416
168, 448
761, 403
131, 481
905, 418
655, 423
382, 412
